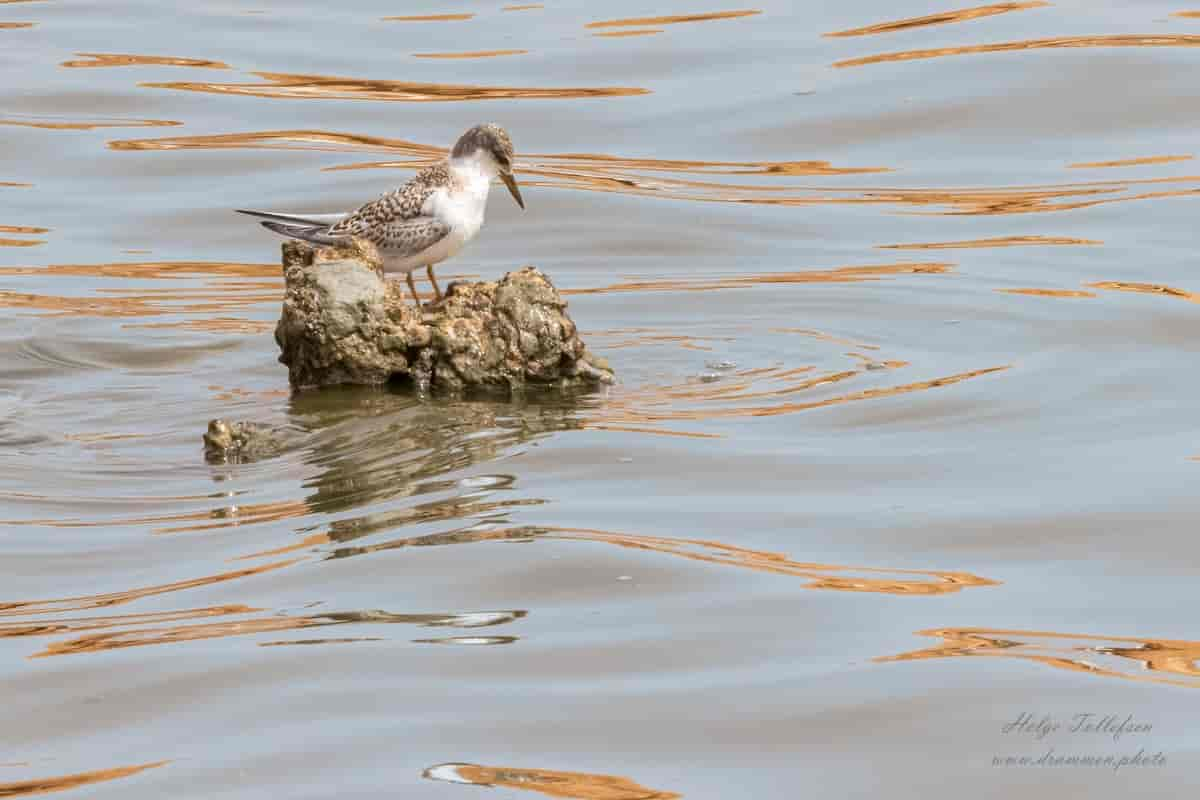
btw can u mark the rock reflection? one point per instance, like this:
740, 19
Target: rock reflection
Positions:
552, 783
1169, 661
60, 783
943, 18
323, 87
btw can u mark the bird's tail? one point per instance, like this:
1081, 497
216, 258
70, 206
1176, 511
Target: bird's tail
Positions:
311, 228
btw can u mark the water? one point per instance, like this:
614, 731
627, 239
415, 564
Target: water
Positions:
901, 471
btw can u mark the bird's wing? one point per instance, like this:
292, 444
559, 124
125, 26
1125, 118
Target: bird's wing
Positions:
404, 204
407, 238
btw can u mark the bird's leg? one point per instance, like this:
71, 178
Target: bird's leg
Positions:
437, 293
412, 287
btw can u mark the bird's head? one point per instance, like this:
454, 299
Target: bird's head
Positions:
491, 146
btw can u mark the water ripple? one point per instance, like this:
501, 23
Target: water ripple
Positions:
321, 87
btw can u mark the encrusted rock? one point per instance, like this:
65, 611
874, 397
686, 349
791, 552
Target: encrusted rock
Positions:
343, 322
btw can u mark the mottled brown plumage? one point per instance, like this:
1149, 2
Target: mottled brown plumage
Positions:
429, 218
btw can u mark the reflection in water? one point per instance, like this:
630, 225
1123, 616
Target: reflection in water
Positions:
1166, 660
552, 783
1146, 288
431, 18
736, 281
140, 637
52, 124
321, 87
61, 783
836, 577
630, 32
1062, 42
473, 54
108, 599
861, 579
1130, 162
1002, 241
945, 17
22, 229
230, 286
641, 22
131, 60
645, 409
1048, 292
647, 177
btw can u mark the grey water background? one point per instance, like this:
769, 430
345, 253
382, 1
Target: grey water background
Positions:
904, 446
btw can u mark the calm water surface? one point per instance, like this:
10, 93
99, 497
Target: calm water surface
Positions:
904, 302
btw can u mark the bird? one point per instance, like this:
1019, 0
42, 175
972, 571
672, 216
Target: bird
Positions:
426, 220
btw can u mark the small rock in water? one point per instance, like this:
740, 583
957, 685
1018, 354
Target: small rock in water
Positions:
709, 377
241, 442
722, 366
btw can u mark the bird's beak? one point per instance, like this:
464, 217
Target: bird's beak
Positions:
511, 183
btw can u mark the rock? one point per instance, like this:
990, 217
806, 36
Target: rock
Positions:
344, 323
241, 442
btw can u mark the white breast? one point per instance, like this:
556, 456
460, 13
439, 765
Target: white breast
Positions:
460, 205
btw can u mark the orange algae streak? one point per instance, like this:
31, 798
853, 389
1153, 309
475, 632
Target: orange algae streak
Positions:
1064, 42
641, 22
322, 87
1130, 162
943, 18
523, 8
62, 783
15, 25
131, 60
